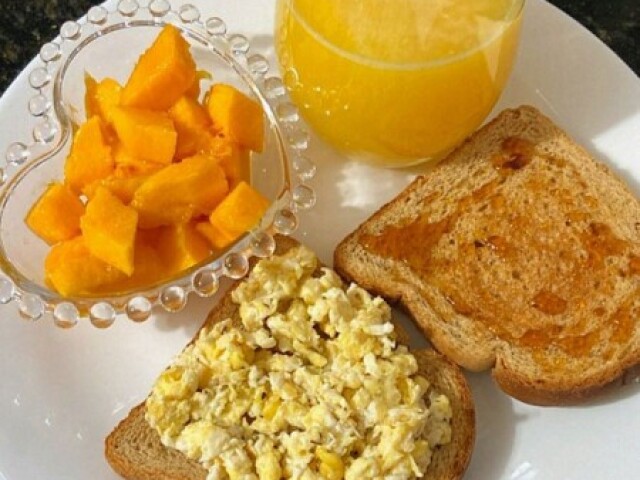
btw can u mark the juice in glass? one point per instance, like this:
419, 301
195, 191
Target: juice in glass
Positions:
396, 82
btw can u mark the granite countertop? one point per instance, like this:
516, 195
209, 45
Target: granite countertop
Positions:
27, 24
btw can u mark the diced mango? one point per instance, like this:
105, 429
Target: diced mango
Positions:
143, 169
121, 156
234, 160
90, 158
236, 166
121, 186
129, 166
218, 239
194, 89
181, 247
109, 228
236, 116
191, 122
56, 214
180, 191
146, 134
124, 182
154, 164
239, 211
72, 270
163, 74
102, 97
90, 100
148, 269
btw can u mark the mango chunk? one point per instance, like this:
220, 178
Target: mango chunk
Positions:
234, 160
155, 165
144, 169
128, 165
121, 156
56, 214
236, 116
148, 269
239, 211
194, 89
146, 134
109, 228
90, 101
191, 122
72, 270
102, 97
180, 191
181, 247
163, 74
90, 158
236, 165
119, 185
218, 239
124, 181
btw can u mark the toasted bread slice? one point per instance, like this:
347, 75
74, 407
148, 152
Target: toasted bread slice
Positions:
133, 449
519, 252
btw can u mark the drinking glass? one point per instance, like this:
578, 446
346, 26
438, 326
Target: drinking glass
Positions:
396, 82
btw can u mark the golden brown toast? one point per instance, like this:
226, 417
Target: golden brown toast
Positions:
133, 448
519, 252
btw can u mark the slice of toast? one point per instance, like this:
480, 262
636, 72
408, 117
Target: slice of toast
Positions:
133, 448
519, 252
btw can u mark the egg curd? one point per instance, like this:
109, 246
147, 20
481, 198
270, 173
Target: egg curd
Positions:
308, 383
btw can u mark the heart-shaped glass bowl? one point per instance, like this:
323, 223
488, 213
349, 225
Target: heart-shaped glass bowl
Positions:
107, 44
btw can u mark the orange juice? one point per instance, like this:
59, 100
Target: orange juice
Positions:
396, 82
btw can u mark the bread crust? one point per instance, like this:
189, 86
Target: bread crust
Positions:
161, 464
538, 373
135, 460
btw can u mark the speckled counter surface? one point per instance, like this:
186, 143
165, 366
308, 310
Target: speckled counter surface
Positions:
26, 24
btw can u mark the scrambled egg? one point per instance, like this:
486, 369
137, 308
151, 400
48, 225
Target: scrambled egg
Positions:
311, 385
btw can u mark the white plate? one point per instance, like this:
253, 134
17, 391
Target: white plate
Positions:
61, 392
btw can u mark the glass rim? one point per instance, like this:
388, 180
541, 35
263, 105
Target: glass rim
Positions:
514, 13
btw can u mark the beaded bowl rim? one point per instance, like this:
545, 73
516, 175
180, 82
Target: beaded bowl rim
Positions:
53, 133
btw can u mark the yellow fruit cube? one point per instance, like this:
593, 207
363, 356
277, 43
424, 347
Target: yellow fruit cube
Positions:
218, 239
123, 187
121, 156
148, 270
72, 270
90, 158
109, 228
147, 135
239, 211
56, 214
234, 160
194, 89
236, 116
180, 191
90, 101
163, 74
236, 165
144, 169
102, 97
181, 247
129, 166
191, 122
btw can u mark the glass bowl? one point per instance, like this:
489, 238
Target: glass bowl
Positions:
107, 43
